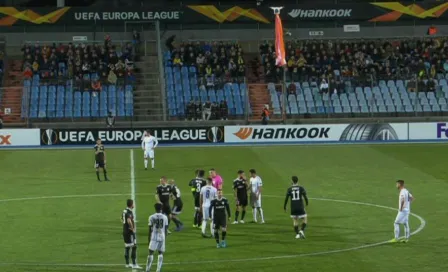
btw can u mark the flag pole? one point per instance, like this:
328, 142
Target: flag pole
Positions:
280, 54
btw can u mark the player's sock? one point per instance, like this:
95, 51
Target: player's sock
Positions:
396, 230
159, 262
243, 214
146, 163
236, 215
254, 212
303, 227
260, 210
176, 221
98, 175
134, 254
195, 220
152, 163
217, 237
203, 226
296, 229
224, 233
126, 254
406, 230
105, 174
149, 262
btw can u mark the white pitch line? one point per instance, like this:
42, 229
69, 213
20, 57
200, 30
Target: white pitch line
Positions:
133, 193
419, 229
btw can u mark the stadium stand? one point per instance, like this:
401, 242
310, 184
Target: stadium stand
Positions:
368, 77
77, 81
197, 73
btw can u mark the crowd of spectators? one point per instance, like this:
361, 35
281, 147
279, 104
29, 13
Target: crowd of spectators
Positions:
89, 65
216, 63
362, 61
206, 111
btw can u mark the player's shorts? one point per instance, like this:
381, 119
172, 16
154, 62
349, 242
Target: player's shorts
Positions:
298, 213
177, 209
206, 213
157, 246
402, 217
166, 209
197, 201
99, 164
241, 201
219, 222
256, 203
149, 154
129, 239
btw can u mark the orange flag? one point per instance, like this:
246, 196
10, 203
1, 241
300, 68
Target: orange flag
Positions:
279, 43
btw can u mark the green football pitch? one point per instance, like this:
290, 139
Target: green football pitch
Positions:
57, 217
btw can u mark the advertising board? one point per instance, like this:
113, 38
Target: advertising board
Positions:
19, 137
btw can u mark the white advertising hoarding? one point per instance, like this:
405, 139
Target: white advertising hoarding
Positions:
428, 131
316, 133
19, 137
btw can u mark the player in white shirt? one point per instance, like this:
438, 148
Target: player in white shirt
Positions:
256, 186
404, 209
208, 193
149, 143
158, 228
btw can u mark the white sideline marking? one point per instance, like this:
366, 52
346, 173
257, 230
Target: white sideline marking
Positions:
419, 229
133, 193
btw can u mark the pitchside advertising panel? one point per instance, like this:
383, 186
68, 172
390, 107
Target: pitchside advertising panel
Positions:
316, 133
131, 136
428, 131
19, 137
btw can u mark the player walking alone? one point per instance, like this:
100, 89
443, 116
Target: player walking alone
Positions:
218, 209
100, 160
149, 143
404, 209
297, 194
158, 229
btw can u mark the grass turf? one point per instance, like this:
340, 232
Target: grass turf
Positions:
82, 229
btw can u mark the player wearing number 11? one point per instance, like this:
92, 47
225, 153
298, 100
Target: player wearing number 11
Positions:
297, 194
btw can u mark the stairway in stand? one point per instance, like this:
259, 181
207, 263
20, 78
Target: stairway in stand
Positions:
147, 94
258, 97
12, 92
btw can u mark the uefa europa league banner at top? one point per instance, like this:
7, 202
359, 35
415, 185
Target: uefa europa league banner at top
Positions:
374, 12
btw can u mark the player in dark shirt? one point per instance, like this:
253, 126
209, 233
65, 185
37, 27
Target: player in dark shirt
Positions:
163, 193
240, 186
100, 160
177, 205
130, 243
196, 185
218, 209
297, 194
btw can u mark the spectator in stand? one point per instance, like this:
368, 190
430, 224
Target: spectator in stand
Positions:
27, 74
1, 119
215, 111
431, 85
422, 86
191, 110
411, 85
110, 120
324, 86
136, 41
198, 108
265, 115
177, 61
206, 110
224, 110
96, 87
